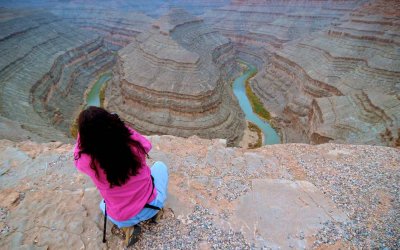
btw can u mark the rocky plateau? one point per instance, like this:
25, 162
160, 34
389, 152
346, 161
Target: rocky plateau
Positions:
288, 196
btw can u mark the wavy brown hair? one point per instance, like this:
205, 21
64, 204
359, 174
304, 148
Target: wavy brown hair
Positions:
106, 139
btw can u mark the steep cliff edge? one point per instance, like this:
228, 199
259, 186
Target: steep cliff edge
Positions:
340, 84
288, 196
328, 70
175, 79
258, 28
45, 67
116, 27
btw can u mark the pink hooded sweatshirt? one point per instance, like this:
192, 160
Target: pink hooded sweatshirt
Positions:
123, 202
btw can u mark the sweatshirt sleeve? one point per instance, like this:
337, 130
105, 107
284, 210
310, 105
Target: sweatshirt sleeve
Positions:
83, 162
140, 138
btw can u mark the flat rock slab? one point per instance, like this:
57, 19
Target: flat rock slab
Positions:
219, 198
281, 213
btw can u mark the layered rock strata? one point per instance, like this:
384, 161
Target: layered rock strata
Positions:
193, 6
174, 79
45, 67
117, 22
116, 27
341, 84
257, 26
153, 8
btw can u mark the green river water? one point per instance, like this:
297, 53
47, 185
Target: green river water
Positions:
93, 97
239, 89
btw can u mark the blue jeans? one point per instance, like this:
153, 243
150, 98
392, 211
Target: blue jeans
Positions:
160, 173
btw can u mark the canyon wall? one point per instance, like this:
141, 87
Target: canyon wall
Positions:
175, 79
123, 8
84, 39
45, 67
339, 84
116, 27
328, 70
258, 28
48, 62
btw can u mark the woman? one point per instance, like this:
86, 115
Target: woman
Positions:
114, 157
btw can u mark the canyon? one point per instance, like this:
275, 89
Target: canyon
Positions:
328, 73
327, 70
42, 78
174, 79
349, 77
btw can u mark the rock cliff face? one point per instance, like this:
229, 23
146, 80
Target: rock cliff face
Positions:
281, 196
328, 69
174, 79
45, 67
258, 28
116, 27
153, 8
341, 84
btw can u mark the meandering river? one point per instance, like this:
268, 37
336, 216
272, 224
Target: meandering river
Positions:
239, 89
93, 97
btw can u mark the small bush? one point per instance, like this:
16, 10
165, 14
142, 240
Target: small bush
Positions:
255, 128
255, 101
74, 128
102, 94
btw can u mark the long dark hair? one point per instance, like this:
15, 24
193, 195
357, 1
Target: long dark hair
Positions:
106, 139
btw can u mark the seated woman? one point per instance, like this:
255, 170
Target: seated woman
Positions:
113, 155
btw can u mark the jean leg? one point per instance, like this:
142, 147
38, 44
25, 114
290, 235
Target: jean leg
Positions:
160, 173
127, 223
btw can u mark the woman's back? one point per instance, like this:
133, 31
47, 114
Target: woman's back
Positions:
126, 199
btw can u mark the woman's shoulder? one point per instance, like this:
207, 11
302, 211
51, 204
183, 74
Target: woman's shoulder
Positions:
82, 161
136, 136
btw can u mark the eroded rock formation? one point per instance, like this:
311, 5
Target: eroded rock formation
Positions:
45, 67
341, 84
174, 79
328, 70
116, 27
257, 28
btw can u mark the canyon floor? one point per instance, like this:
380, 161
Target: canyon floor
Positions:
296, 196
327, 71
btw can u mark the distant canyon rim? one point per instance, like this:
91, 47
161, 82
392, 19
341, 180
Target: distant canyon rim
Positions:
328, 71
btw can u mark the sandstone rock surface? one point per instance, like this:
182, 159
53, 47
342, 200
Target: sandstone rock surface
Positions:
118, 28
174, 79
45, 67
281, 196
258, 28
348, 78
328, 69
